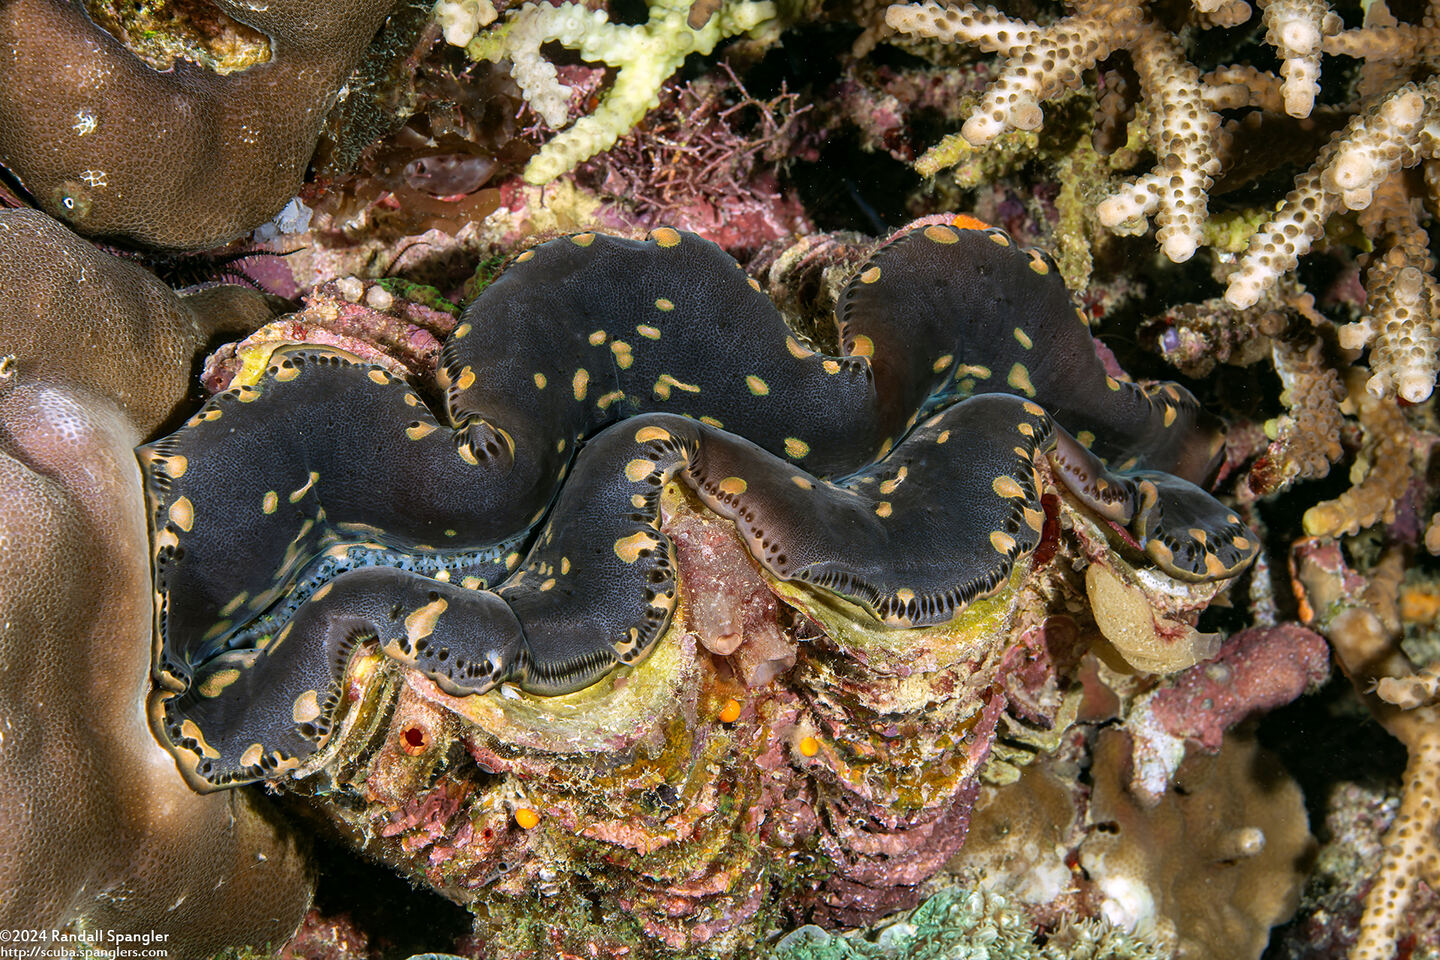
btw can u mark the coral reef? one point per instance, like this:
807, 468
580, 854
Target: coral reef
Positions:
76, 95
464, 566
102, 357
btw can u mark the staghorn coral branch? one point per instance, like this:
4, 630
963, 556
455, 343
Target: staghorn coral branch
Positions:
1386, 44
1296, 29
1039, 61
1401, 298
1397, 131
1185, 133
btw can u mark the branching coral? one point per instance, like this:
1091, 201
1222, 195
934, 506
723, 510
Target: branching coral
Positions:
1393, 123
1381, 474
1398, 131
644, 56
1042, 61
101, 832
1358, 617
222, 153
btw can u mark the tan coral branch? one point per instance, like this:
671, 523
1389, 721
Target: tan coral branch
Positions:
1397, 131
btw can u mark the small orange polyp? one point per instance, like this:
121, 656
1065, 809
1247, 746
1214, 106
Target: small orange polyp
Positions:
809, 746
527, 818
731, 711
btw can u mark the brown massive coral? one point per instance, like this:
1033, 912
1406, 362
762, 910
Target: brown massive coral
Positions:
101, 833
179, 155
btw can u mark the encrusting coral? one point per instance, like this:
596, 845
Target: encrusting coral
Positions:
101, 833
223, 152
1213, 865
643, 55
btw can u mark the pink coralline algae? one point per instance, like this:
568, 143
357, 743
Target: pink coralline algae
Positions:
1255, 671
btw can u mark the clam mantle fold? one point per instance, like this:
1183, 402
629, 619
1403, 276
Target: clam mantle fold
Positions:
325, 510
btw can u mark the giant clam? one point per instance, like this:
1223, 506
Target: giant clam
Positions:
343, 577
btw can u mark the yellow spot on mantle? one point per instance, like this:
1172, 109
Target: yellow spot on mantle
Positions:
734, 486
581, 383
883, 508
638, 469
419, 431
646, 434
1023, 338
796, 448
421, 623
941, 234
270, 502
647, 331
540, 381
664, 304
757, 386
623, 356
1007, 487
182, 514
1019, 378
666, 382
215, 683
871, 275
306, 708
628, 548
466, 379
190, 731
1002, 542
862, 346
299, 492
